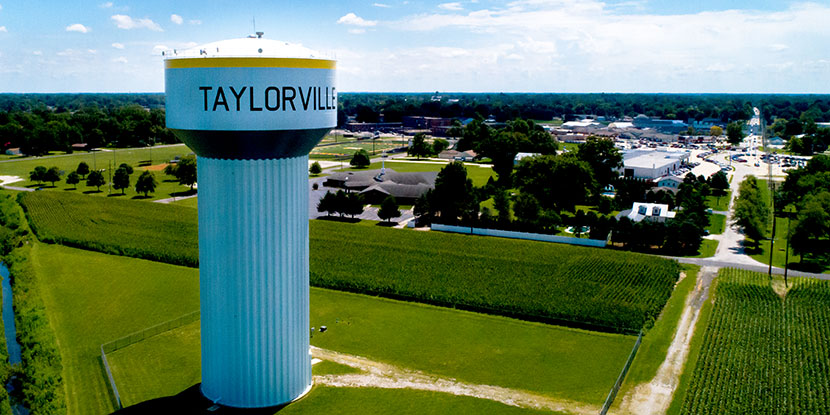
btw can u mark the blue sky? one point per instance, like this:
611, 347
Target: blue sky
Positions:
471, 46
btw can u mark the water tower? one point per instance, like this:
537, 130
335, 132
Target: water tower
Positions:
252, 109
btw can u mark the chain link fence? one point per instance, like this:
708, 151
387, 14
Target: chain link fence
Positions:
137, 337
613, 393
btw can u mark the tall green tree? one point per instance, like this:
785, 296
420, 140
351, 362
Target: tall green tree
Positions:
751, 211
328, 204
419, 148
73, 179
811, 234
389, 209
186, 171
315, 168
146, 183
121, 179
453, 198
719, 183
38, 174
52, 175
360, 159
558, 182
96, 179
82, 170
603, 158
735, 132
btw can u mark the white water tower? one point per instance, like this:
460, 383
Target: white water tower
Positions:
252, 109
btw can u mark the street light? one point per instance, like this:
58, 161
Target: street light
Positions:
789, 211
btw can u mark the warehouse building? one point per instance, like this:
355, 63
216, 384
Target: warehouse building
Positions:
652, 164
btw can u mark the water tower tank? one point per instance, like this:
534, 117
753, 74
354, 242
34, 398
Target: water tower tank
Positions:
252, 109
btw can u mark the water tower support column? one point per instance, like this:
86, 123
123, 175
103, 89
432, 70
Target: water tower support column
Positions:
253, 250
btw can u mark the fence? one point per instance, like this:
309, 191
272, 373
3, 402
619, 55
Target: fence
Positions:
519, 235
613, 393
136, 337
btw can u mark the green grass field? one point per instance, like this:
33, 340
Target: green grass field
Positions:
469, 347
167, 187
719, 203
348, 148
708, 247
93, 298
717, 224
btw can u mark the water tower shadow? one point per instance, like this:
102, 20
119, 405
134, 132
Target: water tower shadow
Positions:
191, 401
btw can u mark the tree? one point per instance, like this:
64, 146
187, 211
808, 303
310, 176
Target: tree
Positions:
558, 182
719, 182
810, 235
603, 158
126, 167
121, 179
439, 145
354, 204
186, 171
501, 202
716, 131
170, 169
734, 133
526, 209
751, 211
95, 178
315, 168
73, 179
453, 195
419, 146
360, 159
146, 183
37, 174
422, 208
389, 208
82, 170
52, 175
328, 204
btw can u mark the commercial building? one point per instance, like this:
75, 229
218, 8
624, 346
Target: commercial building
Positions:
652, 164
664, 126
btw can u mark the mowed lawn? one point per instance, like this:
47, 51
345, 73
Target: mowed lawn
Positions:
565, 363
167, 185
93, 298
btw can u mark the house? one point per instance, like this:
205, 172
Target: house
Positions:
672, 182
375, 184
13, 151
520, 156
655, 212
468, 155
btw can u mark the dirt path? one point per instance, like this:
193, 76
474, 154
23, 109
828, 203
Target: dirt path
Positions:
381, 375
655, 397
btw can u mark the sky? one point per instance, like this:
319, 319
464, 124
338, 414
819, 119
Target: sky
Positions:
707, 46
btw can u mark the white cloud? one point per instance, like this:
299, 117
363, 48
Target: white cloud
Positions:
175, 18
120, 59
195, 22
77, 27
159, 48
778, 47
107, 5
3, 29
354, 20
127, 22
454, 6
382, 5
37, 53
67, 52
92, 51
118, 45
1, 7
357, 31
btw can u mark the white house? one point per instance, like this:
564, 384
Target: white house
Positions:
649, 211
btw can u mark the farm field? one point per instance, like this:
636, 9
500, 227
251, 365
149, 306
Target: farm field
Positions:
468, 347
615, 291
167, 186
92, 298
764, 348
139, 229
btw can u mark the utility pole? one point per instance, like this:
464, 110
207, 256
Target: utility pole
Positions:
772, 238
